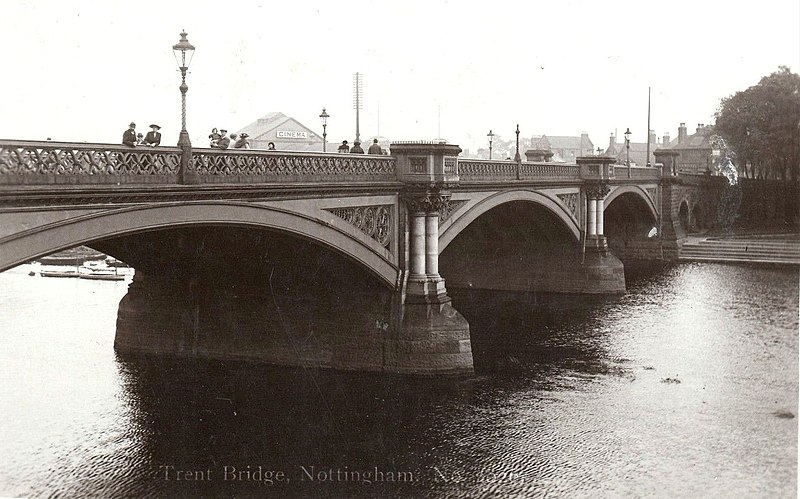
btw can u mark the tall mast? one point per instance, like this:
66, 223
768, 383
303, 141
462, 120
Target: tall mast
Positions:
647, 161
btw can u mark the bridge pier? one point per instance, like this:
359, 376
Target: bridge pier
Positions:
432, 336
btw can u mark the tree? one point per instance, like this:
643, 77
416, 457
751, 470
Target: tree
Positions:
762, 125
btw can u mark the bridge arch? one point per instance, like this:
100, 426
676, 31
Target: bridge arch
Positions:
451, 231
107, 224
639, 192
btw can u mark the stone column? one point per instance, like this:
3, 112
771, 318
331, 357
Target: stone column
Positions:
432, 244
600, 202
591, 219
416, 229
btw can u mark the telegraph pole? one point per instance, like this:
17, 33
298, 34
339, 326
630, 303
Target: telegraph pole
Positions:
358, 90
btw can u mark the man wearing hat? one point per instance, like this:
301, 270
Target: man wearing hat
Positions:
224, 142
153, 137
129, 137
344, 147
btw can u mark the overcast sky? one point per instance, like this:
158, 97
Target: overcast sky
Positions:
81, 70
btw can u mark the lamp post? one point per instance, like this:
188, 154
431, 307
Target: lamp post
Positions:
183, 46
491, 136
324, 119
628, 150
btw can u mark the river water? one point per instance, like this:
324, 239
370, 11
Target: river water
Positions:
687, 385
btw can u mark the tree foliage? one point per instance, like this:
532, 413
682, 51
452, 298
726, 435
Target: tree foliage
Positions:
762, 125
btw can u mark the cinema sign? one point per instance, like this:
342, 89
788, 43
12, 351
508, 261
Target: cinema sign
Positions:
291, 134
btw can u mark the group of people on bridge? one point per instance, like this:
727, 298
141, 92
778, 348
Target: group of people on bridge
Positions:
356, 149
219, 140
132, 139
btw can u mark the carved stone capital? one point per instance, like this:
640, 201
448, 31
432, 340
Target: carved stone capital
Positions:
597, 190
429, 199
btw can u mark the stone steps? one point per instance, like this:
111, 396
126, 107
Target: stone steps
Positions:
756, 250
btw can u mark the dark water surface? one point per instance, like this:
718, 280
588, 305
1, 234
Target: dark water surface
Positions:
687, 385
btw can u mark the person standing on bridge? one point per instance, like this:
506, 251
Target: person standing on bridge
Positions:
153, 137
129, 136
374, 148
344, 147
214, 137
356, 149
224, 142
242, 142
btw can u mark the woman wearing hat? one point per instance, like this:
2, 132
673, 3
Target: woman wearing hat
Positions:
153, 137
242, 142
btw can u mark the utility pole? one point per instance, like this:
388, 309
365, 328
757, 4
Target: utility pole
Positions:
358, 90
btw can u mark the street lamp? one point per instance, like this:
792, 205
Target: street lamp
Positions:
182, 47
628, 150
324, 119
491, 136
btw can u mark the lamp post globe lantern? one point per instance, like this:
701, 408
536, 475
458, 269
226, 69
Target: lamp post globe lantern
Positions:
628, 150
324, 119
180, 50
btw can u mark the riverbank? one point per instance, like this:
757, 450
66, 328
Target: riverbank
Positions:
743, 246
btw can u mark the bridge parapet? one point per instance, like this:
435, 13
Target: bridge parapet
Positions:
249, 166
66, 163
638, 172
47, 162
476, 170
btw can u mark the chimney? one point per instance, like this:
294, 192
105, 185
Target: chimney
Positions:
666, 139
652, 136
586, 145
682, 133
612, 142
699, 127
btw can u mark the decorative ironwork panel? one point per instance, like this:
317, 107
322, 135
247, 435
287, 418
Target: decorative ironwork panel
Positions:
38, 158
549, 170
250, 163
472, 168
374, 221
571, 202
449, 208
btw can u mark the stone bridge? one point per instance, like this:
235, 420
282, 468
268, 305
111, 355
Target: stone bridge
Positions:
331, 260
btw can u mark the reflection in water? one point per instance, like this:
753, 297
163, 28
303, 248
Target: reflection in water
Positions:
569, 398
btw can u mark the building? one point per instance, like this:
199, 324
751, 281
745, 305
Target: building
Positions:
287, 133
565, 148
695, 150
638, 150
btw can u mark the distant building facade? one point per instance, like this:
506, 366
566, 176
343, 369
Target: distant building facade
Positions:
638, 150
565, 149
695, 150
285, 132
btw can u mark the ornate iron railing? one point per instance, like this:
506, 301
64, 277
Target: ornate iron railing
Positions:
48, 163
274, 166
470, 169
29, 162
637, 172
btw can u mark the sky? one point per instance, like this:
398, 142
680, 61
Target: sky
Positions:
80, 71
